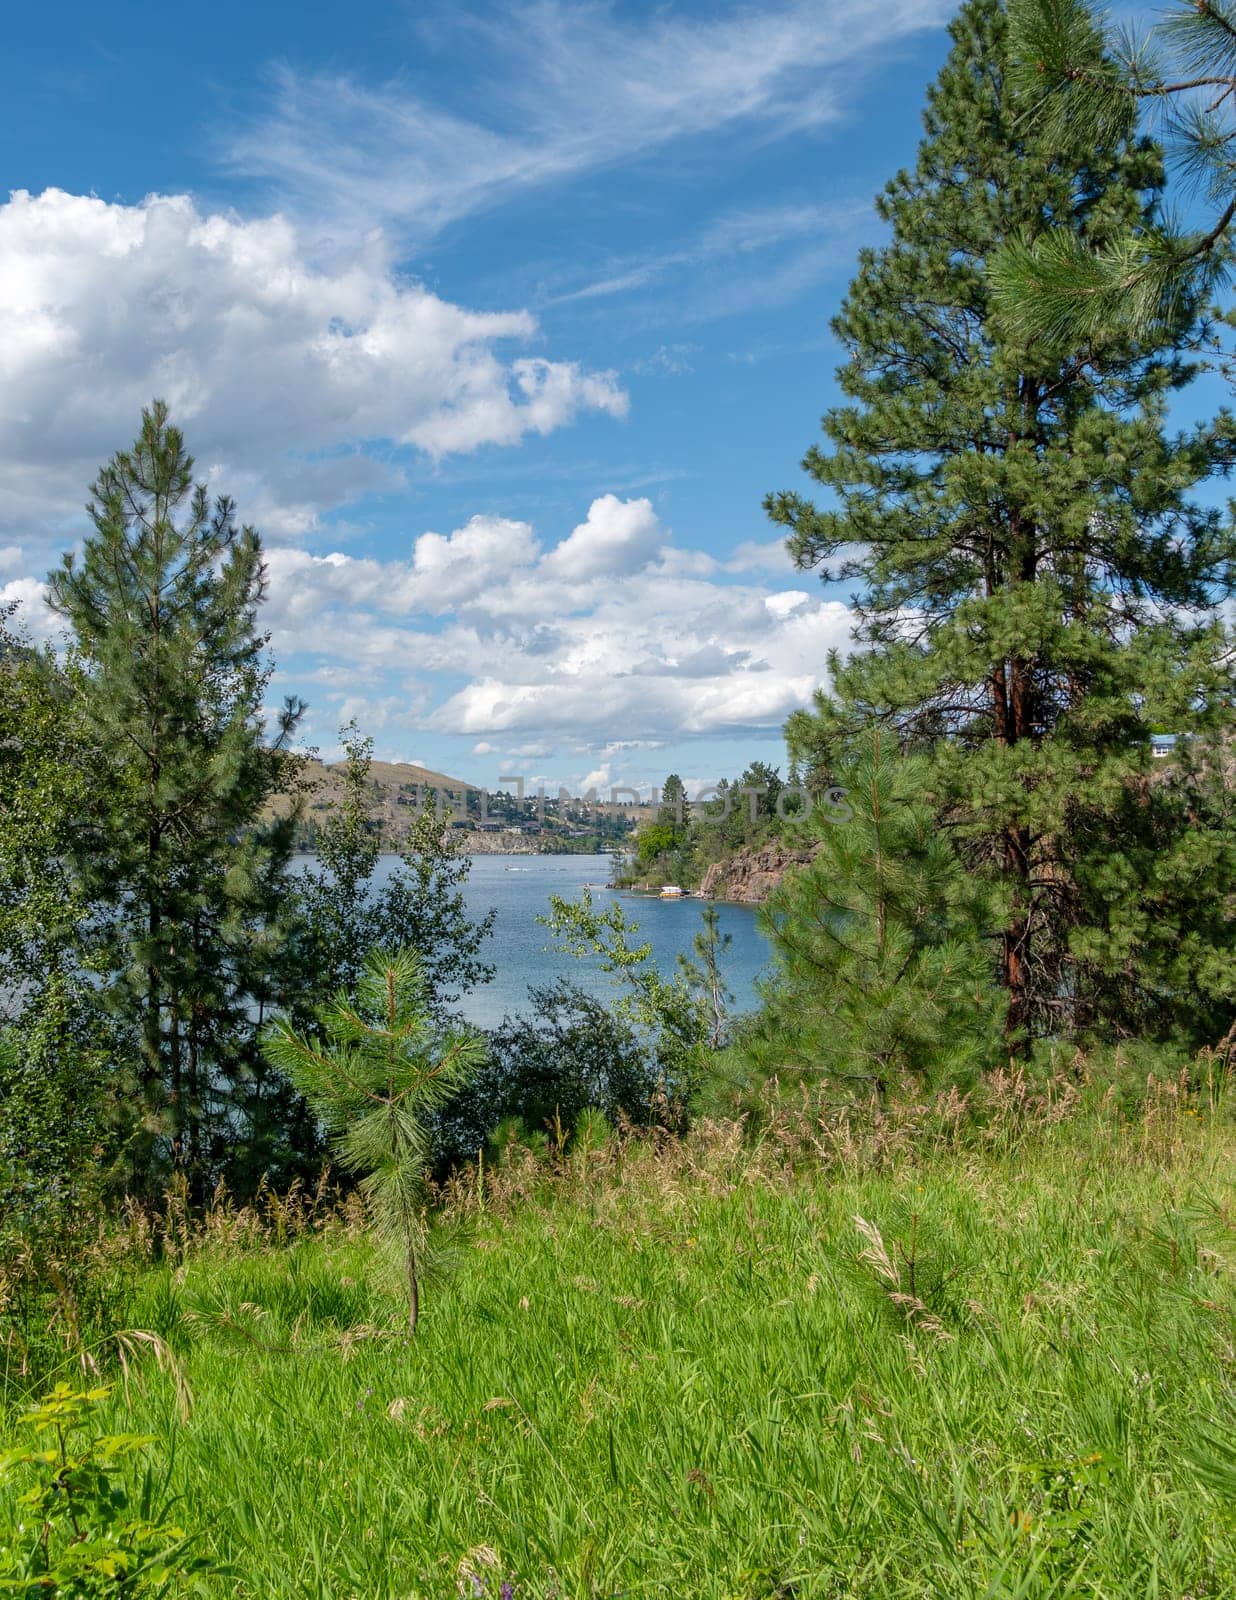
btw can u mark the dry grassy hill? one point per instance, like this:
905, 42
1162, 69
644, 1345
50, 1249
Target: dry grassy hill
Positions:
394, 786
397, 788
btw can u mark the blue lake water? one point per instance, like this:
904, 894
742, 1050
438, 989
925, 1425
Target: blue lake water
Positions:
519, 887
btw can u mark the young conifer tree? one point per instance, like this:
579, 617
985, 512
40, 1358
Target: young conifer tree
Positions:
1037, 588
382, 1068
882, 947
169, 675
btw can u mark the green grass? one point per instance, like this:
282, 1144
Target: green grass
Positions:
689, 1373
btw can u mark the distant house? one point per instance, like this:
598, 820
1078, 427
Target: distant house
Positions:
1162, 745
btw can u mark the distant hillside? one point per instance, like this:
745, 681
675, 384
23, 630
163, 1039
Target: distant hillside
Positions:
394, 787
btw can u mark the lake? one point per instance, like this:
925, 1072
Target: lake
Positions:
519, 887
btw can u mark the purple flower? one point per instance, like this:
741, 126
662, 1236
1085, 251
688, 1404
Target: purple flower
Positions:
507, 1591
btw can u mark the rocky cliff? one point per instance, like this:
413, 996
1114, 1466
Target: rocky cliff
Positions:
751, 875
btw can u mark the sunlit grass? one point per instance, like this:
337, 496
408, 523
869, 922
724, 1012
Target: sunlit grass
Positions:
690, 1372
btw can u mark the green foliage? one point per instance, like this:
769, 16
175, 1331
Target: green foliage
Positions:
334, 897
549, 1068
383, 1068
657, 839
50, 777
52, 1125
182, 876
704, 971
1079, 83
1063, 292
685, 840
669, 1012
344, 915
884, 961
662, 846
422, 905
1038, 588
1156, 873
60, 1075
62, 1127
57, 1128
79, 1535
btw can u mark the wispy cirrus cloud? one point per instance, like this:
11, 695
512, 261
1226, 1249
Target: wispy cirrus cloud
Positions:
557, 89
734, 239
743, 261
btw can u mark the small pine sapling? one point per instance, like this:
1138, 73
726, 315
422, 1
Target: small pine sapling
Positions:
703, 973
382, 1067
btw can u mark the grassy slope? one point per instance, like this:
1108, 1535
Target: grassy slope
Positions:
675, 1375
387, 782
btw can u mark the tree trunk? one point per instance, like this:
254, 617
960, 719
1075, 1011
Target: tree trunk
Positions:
1013, 715
414, 1297
1013, 972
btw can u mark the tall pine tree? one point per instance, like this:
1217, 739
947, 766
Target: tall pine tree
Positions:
1037, 590
170, 676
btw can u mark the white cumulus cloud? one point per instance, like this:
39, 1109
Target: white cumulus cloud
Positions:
617, 536
283, 369
612, 636
614, 639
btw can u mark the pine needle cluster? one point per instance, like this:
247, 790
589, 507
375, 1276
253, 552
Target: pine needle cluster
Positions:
381, 1068
1077, 79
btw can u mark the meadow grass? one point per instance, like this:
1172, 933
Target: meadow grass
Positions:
931, 1356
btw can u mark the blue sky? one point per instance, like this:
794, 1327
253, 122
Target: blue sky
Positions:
499, 322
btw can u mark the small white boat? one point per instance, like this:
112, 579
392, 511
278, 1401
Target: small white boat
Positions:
671, 891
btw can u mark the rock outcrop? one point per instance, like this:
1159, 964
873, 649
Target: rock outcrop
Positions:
750, 876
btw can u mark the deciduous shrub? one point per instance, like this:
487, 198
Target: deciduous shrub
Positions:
571, 1054
80, 1534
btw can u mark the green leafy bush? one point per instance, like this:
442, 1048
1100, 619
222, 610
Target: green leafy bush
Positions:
548, 1069
78, 1533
